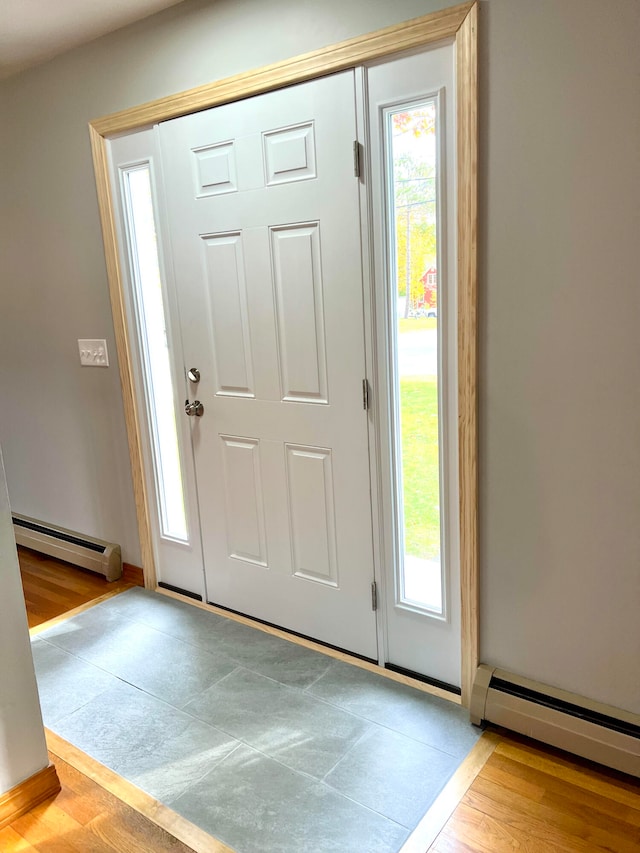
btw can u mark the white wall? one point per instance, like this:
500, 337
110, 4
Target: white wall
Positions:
560, 349
23, 750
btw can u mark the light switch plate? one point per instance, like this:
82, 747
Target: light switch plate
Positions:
93, 353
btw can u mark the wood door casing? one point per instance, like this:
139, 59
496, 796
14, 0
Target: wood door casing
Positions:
458, 23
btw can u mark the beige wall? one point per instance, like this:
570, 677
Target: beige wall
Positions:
559, 314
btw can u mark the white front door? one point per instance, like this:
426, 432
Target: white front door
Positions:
264, 218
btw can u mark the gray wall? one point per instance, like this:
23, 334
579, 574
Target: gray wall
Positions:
560, 347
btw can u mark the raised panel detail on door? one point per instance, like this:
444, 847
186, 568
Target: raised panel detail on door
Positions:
312, 513
290, 154
301, 341
272, 317
215, 169
244, 501
229, 314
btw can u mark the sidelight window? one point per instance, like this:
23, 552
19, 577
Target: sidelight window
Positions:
413, 178
147, 288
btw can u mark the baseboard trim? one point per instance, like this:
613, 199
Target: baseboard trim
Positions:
576, 724
132, 574
28, 794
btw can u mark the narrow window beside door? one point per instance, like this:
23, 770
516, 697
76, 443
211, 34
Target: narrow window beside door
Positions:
145, 273
412, 182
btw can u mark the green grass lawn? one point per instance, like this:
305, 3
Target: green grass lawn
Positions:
419, 418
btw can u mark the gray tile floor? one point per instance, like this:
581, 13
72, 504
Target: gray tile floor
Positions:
264, 744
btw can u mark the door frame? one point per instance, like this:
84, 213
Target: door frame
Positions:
457, 24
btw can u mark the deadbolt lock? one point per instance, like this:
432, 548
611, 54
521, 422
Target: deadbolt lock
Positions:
194, 374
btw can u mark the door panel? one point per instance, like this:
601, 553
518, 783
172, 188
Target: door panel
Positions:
264, 218
232, 360
312, 511
295, 251
178, 558
244, 511
420, 637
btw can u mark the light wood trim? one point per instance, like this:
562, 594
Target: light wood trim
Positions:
451, 795
28, 794
43, 626
467, 153
459, 23
317, 647
116, 291
417, 32
154, 810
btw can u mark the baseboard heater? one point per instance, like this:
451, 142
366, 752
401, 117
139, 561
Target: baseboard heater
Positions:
105, 558
581, 726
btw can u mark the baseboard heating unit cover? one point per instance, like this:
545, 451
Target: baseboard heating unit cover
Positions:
96, 555
590, 729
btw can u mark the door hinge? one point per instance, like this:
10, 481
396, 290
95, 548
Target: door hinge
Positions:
366, 396
356, 159
374, 595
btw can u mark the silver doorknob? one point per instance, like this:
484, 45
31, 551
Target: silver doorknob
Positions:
193, 409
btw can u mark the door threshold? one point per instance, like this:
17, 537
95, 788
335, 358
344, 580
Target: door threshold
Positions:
314, 645
291, 634
426, 679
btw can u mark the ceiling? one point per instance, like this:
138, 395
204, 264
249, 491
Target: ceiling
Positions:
32, 31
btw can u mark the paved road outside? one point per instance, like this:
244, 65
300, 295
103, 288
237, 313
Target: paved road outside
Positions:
418, 353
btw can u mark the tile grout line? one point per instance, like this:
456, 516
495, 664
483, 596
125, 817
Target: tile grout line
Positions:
241, 742
206, 773
240, 665
311, 645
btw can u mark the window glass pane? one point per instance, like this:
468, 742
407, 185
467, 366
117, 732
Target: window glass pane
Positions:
155, 352
412, 159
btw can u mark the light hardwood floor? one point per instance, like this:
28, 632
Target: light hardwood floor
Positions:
52, 587
84, 818
538, 800
521, 797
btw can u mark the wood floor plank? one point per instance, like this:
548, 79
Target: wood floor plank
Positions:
49, 827
126, 831
535, 799
451, 844
12, 842
590, 779
548, 788
80, 799
484, 833
85, 818
75, 611
52, 587
548, 823
502, 775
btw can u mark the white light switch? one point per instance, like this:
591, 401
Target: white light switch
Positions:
93, 353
